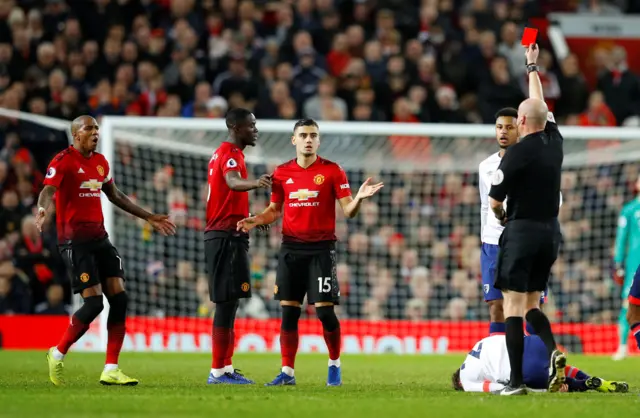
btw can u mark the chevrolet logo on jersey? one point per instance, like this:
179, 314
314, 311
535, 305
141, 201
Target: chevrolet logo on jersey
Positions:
92, 185
302, 196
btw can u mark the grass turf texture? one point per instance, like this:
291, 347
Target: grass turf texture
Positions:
173, 385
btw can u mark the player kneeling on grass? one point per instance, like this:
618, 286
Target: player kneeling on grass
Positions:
304, 192
77, 175
487, 369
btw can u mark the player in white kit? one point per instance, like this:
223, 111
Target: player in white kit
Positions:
486, 369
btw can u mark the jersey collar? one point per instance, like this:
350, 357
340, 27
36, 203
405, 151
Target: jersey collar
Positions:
316, 162
73, 149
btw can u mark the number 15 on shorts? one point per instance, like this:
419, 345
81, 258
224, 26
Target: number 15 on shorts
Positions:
324, 284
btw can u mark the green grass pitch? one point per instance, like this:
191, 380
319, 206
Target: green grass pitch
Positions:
173, 385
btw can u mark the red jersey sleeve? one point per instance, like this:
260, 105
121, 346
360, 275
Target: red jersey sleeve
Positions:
231, 161
277, 191
341, 183
55, 172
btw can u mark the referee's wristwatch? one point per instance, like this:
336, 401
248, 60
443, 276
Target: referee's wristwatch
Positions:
532, 68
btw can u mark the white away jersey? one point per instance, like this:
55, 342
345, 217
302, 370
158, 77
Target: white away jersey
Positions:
490, 226
490, 229
486, 365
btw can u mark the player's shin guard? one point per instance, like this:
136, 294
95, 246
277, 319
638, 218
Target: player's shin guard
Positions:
221, 335
635, 330
289, 337
542, 327
331, 328
515, 348
80, 322
116, 328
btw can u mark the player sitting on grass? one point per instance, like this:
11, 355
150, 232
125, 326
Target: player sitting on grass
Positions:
77, 175
304, 193
487, 369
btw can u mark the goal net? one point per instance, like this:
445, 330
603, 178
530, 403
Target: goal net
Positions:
409, 264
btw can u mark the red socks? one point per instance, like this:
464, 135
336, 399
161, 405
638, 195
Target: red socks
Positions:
220, 346
115, 337
231, 345
288, 347
73, 333
333, 340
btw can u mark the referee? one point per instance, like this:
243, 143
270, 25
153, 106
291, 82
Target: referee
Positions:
529, 178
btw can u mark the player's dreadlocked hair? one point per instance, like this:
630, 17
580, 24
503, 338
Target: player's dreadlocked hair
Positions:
305, 122
509, 112
236, 116
455, 380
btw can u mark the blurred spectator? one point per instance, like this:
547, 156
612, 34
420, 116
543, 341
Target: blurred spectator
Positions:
597, 113
620, 86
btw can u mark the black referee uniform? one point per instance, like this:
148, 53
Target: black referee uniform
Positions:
529, 179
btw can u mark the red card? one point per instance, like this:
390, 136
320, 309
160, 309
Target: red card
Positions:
529, 36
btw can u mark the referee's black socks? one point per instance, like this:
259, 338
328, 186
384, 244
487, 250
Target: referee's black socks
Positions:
541, 325
515, 348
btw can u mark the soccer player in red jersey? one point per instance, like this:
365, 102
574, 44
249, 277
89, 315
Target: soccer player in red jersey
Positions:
304, 193
226, 249
77, 175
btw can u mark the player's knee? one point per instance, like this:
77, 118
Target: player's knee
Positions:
327, 315
225, 314
290, 317
496, 311
118, 308
90, 310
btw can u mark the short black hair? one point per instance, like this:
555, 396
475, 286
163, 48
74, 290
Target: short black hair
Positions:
507, 112
236, 115
455, 381
305, 122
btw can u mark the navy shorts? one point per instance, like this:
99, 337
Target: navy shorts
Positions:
488, 264
535, 364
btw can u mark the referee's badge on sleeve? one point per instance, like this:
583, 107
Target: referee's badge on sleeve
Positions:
498, 177
550, 117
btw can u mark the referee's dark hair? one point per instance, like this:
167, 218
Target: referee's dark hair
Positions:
305, 122
509, 112
236, 116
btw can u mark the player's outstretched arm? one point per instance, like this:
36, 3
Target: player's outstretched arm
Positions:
271, 214
160, 223
238, 184
44, 201
351, 206
535, 86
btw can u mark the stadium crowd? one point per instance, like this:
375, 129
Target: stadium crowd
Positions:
414, 252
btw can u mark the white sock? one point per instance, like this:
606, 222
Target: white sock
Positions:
622, 348
218, 372
229, 369
288, 371
335, 362
110, 367
57, 355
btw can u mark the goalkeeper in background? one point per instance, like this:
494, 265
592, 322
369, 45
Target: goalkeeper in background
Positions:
627, 260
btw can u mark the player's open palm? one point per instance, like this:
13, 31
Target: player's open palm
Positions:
162, 224
367, 189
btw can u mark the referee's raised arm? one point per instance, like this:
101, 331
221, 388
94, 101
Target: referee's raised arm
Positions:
529, 178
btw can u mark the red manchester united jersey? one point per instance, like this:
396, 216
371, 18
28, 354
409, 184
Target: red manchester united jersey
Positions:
225, 207
79, 180
309, 199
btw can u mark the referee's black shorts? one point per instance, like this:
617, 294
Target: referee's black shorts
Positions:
227, 263
528, 250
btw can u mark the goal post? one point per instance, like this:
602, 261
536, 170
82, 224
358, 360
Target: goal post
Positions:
408, 264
